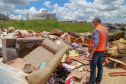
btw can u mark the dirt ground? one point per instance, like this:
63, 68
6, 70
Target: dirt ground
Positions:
106, 79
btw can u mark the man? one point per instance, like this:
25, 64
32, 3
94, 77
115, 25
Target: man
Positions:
98, 43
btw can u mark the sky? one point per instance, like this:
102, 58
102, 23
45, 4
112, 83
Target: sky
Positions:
110, 11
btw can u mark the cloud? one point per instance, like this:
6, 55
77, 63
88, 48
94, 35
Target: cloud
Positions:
60, 11
12, 16
17, 11
18, 2
107, 5
24, 12
18, 17
73, 10
109, 11
6, 7
9, 5
33, 11
47, 3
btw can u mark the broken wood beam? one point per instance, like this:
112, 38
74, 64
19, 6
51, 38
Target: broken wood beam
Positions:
78, 59
117, 74
81, 60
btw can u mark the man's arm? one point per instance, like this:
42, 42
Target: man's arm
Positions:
96, 38
107, 40
92, 52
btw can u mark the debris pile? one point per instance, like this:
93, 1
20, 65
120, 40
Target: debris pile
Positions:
115, 53
75, 62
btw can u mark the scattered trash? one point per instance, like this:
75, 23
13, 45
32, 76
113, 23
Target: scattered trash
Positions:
74, 62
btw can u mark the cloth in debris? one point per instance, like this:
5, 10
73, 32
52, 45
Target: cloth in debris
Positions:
28, 68
51, 80
60, 74
42, 65
11, 75
27, 43
70, 80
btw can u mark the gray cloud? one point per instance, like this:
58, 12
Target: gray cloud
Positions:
108, 8
9, 5
16, 2
108, 1
6, 7
108, 5
109, 11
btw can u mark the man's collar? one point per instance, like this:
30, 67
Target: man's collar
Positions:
98, 25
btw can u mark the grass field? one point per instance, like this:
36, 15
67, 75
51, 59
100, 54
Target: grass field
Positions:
48, 25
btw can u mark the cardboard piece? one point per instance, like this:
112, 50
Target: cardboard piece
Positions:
76, 74
17, 63
80, 69
113, 51
76, 58
86, 68
76, 65
85, 40
84, 72
68, 38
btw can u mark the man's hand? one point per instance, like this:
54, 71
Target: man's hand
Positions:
90, 57
92, 52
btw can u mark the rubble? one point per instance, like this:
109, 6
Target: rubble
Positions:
74, 64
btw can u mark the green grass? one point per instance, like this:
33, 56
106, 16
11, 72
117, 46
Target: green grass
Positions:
48, 25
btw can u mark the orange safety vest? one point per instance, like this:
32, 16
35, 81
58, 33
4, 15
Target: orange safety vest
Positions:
103, 37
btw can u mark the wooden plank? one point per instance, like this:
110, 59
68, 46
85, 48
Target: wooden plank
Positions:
116, 60
119, 60
117, 74
85, 44
69, 38
79, 59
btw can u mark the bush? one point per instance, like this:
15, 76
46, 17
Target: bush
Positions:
122, 29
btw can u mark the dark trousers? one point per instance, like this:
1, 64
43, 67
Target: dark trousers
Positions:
97, 61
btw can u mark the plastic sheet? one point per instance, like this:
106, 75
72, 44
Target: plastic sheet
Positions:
11, 75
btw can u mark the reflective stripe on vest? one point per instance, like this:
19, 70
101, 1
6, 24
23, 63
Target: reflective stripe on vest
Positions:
102, 29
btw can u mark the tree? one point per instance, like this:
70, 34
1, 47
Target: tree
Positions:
112, 28
122, 29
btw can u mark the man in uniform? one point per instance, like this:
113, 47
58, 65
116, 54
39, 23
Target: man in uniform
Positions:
98, 43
